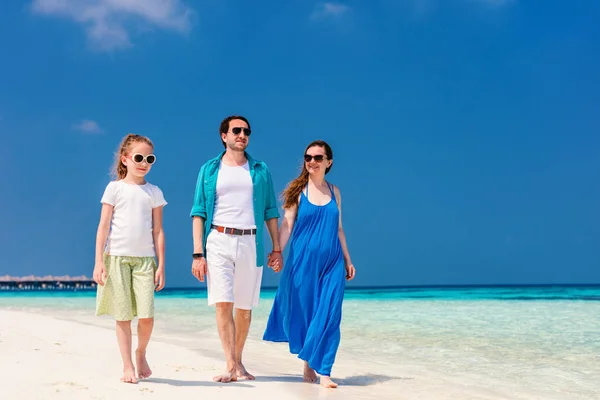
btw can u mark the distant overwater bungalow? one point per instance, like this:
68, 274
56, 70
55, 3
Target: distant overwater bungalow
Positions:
34, 283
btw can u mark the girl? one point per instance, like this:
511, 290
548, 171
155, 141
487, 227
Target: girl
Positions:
130, 236
307, 310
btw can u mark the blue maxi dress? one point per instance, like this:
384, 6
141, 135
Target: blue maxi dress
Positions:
307, 310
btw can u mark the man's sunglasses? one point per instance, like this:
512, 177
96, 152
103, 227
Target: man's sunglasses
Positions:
237, 131
317, 158
138, 158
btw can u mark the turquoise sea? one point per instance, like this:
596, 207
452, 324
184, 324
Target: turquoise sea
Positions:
519, 342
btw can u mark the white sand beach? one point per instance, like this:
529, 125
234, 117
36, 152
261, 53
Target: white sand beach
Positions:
75, 356
44, 357
47, 358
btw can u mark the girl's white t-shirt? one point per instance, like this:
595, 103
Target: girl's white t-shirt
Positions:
131, 225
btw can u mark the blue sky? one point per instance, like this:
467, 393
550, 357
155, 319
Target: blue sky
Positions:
466, 133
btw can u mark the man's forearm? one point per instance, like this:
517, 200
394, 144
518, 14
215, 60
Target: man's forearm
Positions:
273, 232
198, 233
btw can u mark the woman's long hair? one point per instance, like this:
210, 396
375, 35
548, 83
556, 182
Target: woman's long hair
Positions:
295, 187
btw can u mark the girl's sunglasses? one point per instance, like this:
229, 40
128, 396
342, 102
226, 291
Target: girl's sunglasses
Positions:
237, 131
138, 158
317, 158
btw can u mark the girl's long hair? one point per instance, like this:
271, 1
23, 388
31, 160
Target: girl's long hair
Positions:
119, 170
295, 187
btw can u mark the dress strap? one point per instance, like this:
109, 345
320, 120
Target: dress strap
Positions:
332, 192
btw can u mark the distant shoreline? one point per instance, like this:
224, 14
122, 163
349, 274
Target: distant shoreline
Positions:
74, 284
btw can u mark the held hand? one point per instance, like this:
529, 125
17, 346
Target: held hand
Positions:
159, 278
99, 273
199, 268
350, 272
276, 261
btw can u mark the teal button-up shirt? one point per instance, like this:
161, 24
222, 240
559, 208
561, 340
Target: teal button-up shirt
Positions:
265, 205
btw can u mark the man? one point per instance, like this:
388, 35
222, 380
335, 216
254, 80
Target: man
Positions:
234, 196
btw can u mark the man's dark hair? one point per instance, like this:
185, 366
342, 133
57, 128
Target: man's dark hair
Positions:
224, 128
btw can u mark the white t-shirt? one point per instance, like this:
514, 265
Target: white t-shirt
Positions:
234, 207
131, 225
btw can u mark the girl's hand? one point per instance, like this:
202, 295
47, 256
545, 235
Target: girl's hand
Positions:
350, 272
159, 278
99, 273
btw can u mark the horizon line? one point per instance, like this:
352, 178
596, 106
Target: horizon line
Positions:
443, 286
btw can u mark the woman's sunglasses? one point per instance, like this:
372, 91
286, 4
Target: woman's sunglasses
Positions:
317, 158
237, 131
138, 158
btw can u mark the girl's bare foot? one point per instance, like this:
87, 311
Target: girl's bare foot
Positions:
129, 375
310, 375
143, 368
328, 383
242, 373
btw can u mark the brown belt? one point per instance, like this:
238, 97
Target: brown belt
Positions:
234, 231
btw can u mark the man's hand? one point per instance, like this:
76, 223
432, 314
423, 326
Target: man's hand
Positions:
276, 261
159, 278
199, 268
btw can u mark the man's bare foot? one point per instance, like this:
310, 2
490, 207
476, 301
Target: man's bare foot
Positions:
310, 375
129, 375
327, 382
227, 376
242, 373
143, 368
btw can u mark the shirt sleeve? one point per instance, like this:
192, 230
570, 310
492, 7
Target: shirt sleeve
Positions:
158, 198
109, 196
199, 204
271, 210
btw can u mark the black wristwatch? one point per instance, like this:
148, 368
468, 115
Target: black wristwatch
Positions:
197, 255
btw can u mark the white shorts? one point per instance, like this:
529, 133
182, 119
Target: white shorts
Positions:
233, 276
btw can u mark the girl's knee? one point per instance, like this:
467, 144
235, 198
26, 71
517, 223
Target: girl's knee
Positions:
145, 321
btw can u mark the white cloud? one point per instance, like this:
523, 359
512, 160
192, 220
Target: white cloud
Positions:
108, 22
88, 126
329, 10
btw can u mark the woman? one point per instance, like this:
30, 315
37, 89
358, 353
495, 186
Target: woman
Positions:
307, 310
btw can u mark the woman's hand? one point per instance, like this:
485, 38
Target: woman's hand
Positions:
350, 272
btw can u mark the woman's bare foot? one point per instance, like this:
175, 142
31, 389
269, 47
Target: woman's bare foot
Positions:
310, 376
129, 375
328, 383
143, 368
242, 373
228, 376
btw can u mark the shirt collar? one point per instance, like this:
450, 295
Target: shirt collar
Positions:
251, 161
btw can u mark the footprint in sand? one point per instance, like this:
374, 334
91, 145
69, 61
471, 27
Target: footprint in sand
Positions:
146, 390
68, 385
180, 367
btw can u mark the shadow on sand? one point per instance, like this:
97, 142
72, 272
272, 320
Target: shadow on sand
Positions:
177, 382
358, 380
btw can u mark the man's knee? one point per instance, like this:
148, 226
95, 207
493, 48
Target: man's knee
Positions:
224, 307
243, 314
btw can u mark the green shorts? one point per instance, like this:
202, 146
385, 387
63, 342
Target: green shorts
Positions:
128, 289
